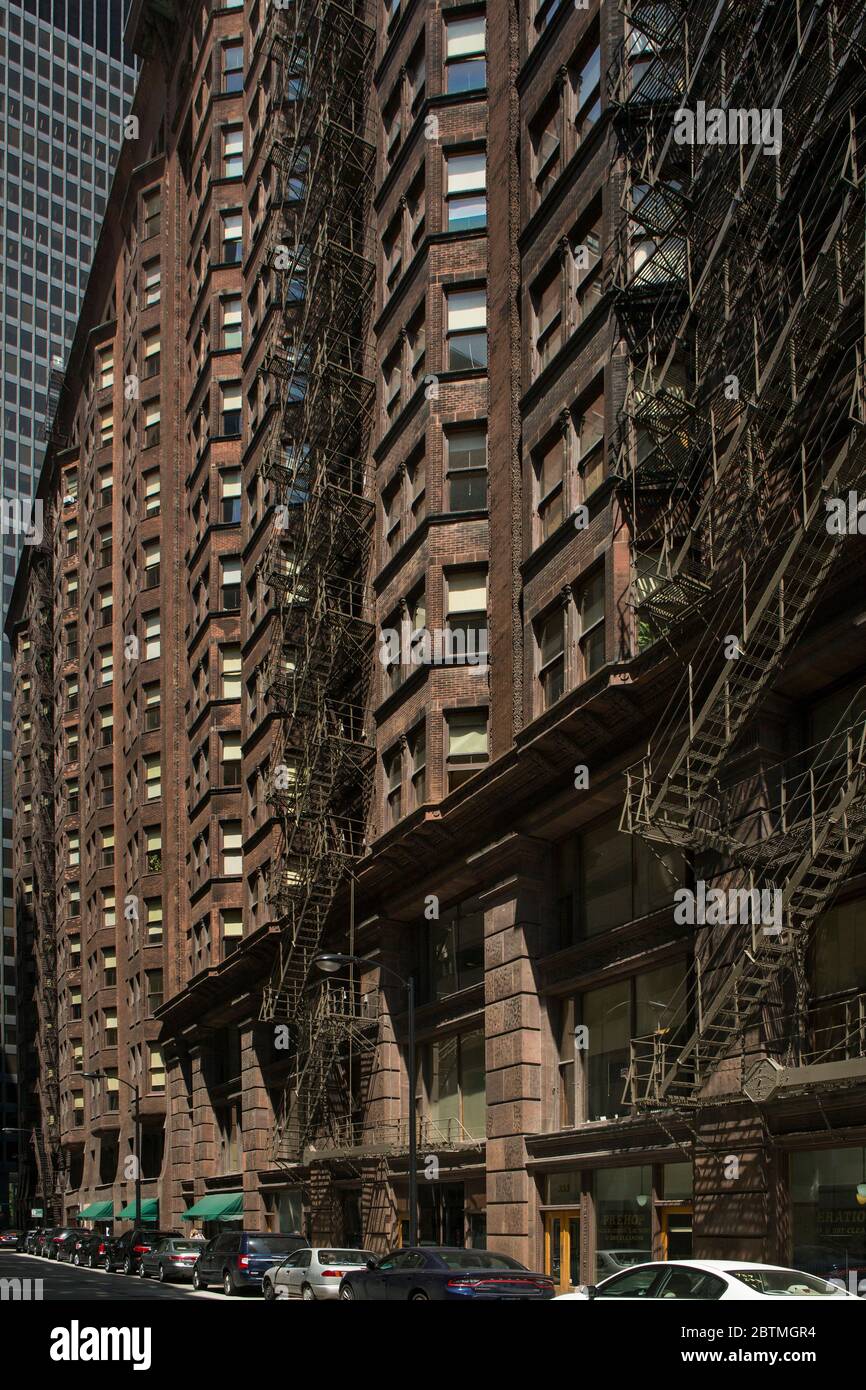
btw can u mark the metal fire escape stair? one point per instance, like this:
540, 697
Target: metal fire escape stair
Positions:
319, 668
814, 855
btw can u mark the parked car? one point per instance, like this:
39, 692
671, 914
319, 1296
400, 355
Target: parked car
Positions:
238, 1259
313, 1273
61, 1243
709, 1281
418, 1274
125, 1251
90, 1247
170, 1259
24, 1241
9, 1240
40, 1239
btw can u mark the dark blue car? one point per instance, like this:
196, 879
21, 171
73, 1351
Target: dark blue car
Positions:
238, 1259
420, 1273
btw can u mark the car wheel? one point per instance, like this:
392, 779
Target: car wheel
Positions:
76, 1260
307, 1294
197, 1281
106, 1265
347, 1293
228, 1287
162, 1274
127, 1265
418, 1297
142, 1274
269, 1292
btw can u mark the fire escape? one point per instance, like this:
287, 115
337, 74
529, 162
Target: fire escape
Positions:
739, 275
317, 560
46, 1134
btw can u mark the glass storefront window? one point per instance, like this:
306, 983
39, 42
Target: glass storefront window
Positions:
457, 954
828, 1210
620, 878
658, 993
840, 950
623, 1218
457, 1107
606, 1014
678, 1182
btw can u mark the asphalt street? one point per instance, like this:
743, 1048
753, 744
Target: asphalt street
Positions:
63, 1283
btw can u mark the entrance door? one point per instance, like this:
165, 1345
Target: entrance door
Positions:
562, 1248
677, 1232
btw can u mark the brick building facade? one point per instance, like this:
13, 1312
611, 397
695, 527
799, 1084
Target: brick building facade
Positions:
485, 365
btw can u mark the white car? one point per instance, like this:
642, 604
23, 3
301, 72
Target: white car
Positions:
313, 1274
709, 1281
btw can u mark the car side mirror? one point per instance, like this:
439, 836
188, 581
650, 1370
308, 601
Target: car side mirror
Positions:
371, 1264
591, 1290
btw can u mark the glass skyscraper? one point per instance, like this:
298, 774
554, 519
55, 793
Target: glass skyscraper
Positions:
64, 91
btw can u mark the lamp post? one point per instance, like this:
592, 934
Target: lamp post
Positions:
136, 1143
330, 963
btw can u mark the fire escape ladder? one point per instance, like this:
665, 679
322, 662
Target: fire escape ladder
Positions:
316, 564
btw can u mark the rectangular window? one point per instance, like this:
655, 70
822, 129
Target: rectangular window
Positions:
152, 283
393, 764
230, 496
465, 63
232, 237
231, 407
152, 776
233, 67
230, 582
231, 321
152, 640
151, 205
230, 671
152, 418
152, 351
551, 656
466, 613
591, 620
467, 330
466, 191
547, 306
550, 473
233, 152
418, 764
151, 492
153, 919
467, 746
106, 368
232, 847
230, 759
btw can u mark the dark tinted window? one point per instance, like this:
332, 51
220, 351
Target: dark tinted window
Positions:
477, 1259
690, 1283
637, 1283
271, 1245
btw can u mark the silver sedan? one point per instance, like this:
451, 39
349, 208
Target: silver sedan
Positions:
312, 1274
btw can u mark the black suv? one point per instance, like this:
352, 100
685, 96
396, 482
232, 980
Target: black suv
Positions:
238, 1259
125, 1252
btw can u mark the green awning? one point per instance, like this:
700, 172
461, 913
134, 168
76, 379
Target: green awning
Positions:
149, 1210
216, 1206
98, 1211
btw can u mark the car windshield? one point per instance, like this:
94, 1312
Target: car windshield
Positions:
271, 1245
477, 1259
345, 1257
785, 1283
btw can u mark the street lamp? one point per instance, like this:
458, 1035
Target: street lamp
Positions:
136, 1143
330, 963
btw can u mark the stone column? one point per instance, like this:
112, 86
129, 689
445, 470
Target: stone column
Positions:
512, 941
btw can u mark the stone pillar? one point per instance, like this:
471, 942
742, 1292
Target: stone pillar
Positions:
512, 940
256, 1123
177, 1165
204, 1136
